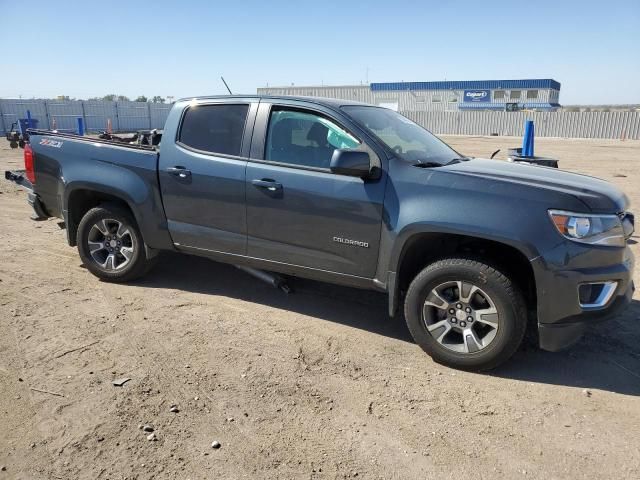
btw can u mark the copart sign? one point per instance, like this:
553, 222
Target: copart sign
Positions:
477, 95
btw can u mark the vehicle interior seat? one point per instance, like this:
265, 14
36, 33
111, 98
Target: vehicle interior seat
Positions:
321, 153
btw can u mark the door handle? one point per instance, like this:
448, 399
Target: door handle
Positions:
268, 184
180, 172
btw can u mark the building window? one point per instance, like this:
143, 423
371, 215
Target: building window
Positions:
436, 99
532, 94
214, 128
421, 99
515, 94
498, 95
453, 99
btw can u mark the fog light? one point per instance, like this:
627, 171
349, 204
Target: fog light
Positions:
597, 294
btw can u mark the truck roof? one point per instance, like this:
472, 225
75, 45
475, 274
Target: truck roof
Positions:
329, 102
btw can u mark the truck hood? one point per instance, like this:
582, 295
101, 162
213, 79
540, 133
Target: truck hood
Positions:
598, 195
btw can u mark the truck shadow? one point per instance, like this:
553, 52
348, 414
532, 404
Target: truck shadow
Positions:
362, 309
608, 358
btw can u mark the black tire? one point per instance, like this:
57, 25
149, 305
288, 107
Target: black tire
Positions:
136, 265
506, 299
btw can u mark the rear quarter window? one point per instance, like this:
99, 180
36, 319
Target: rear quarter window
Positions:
214, 128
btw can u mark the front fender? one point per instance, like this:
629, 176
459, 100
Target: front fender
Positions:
523, 245
439, 201
420, 228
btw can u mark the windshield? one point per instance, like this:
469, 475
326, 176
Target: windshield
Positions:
408, 140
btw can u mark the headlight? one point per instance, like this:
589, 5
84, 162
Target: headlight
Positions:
591, 229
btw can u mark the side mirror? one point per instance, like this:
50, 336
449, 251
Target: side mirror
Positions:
354, 163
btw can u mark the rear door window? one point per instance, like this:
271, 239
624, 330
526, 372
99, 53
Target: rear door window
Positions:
214, 128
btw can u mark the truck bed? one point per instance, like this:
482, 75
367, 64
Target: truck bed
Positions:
71, 168
71, 136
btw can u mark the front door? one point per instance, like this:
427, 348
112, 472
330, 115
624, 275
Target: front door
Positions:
298, 212
202, 177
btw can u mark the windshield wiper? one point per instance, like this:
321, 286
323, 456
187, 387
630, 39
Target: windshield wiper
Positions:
458, 160
428, 164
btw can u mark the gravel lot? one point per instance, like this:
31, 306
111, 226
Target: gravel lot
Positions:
318, 384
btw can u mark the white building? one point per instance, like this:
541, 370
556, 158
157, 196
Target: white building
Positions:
533, 94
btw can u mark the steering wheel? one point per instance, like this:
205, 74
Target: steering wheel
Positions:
397, 149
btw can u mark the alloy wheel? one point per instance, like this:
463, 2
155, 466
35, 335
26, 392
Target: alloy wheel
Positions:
460, 316
111, 244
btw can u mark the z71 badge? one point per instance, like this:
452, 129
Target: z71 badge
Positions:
51, 143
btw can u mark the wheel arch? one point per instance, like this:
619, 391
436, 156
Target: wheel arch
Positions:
421, 248
82, 198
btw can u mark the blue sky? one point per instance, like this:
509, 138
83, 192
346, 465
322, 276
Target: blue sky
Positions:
180, 48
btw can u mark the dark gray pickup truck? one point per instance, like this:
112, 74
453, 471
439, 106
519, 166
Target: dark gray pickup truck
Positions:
473, 250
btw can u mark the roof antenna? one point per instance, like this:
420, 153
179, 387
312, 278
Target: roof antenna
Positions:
225, 84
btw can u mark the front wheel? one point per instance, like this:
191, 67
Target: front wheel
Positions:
110, 244
465, 314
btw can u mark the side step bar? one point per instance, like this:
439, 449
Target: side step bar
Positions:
270, 278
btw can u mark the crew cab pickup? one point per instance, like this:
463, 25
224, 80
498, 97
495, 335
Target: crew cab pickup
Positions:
469, 249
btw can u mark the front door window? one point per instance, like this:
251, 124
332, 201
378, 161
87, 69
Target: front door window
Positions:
304, 139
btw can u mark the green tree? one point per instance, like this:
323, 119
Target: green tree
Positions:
142, 98
157, 99
110, 98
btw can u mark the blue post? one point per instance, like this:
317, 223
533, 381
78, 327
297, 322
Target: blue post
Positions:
527, 141
80, 126
28, 118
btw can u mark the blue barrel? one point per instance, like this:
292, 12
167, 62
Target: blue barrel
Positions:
527, 140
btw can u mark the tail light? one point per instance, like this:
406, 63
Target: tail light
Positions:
28, 163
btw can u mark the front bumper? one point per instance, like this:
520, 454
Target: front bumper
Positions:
557, 336
562, 320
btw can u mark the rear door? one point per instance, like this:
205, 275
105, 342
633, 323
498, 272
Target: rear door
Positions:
298, 212
202, 174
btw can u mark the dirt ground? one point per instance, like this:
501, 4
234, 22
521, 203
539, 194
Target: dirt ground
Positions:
319, 384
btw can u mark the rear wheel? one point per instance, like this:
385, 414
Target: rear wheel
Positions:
465, 314
110, 244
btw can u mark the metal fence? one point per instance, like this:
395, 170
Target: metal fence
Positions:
64, 114
128, 116
614, 125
